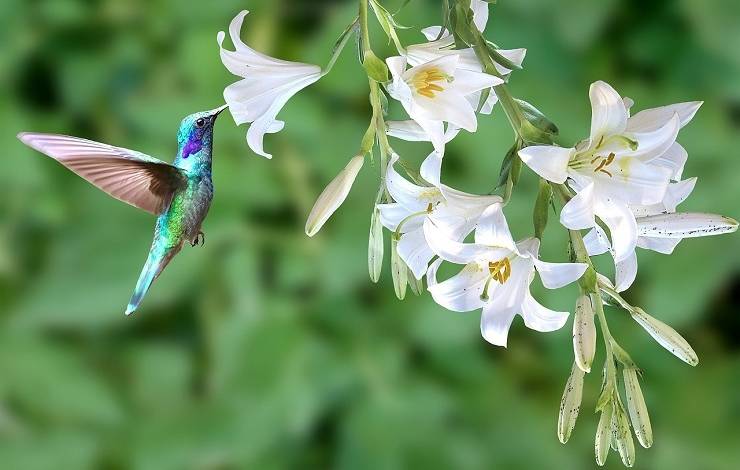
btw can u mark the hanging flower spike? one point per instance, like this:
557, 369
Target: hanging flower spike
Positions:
435, 92
496, 277
268, 83
610, 170
453, 211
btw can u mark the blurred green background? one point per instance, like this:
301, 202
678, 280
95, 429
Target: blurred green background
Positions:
266, 349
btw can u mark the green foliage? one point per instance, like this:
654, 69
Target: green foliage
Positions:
265, 349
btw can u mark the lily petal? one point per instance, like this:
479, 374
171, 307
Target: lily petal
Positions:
548, 161
622, 227
557, 275
650, 119
625, 272
596, 241
460, 293
493, 230
394, 213
412, 197
415, 252
608, 113
660, 245
540, 318
654, 143
578, 213
454, 251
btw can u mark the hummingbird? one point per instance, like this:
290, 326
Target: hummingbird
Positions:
179, 194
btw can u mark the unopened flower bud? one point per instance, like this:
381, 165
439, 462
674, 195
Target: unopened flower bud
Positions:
375, 247
333, 196
584, 333
622, 436
399, 270
666, 336
603, 435
637, 408
570, 404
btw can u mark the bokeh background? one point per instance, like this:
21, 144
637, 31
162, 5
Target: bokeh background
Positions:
266, 349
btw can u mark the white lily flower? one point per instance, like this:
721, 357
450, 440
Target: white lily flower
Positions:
496, 277
268, 83
333, 196
626, 162
659, 228
453, 211
436, 92
442, 43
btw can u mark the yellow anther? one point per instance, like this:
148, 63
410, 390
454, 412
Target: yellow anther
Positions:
424, 82
605, 161
500, 270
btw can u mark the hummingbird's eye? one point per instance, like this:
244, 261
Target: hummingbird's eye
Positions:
200, 122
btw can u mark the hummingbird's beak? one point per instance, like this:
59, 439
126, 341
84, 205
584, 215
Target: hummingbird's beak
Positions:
218, 110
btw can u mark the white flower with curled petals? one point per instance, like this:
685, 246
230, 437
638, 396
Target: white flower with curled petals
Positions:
268, 83
453, 211
442, 43
626, 162
496, 277
436, 92
660, 228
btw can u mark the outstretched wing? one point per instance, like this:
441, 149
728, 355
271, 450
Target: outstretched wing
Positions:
127, 175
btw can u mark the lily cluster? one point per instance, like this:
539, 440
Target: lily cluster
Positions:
622, 183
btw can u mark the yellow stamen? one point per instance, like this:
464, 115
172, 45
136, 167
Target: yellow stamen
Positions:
605, 161
424, 82
500, 270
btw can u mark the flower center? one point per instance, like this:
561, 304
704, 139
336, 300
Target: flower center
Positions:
500, 270
429, 81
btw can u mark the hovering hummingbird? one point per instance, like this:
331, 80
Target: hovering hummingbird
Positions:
179, 194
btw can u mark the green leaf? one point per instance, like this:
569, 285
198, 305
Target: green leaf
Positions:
376, 68
541, 208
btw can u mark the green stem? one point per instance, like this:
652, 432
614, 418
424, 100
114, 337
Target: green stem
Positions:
364, 33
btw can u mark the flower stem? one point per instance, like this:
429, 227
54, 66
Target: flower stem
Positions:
364, 33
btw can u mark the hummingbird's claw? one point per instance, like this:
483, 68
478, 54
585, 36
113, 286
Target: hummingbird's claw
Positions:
199, 239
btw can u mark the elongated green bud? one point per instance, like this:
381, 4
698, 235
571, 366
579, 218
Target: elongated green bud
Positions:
637, 408
375, 247
665, 336
603, 435
399, 270
622, 436
584, 333
570, 404
541, 208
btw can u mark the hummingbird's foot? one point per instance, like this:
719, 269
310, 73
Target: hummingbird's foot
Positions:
199, 239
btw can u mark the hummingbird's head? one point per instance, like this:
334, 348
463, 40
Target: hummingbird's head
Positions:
196, 132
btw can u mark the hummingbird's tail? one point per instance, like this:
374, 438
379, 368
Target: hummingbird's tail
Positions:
155, 264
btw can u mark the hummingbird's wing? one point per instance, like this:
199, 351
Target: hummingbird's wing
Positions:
127, 175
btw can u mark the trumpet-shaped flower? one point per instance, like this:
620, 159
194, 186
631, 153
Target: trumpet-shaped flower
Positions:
626, 162
268, 83
496, 277
436, 92
454, 212
442, 44
659, 228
